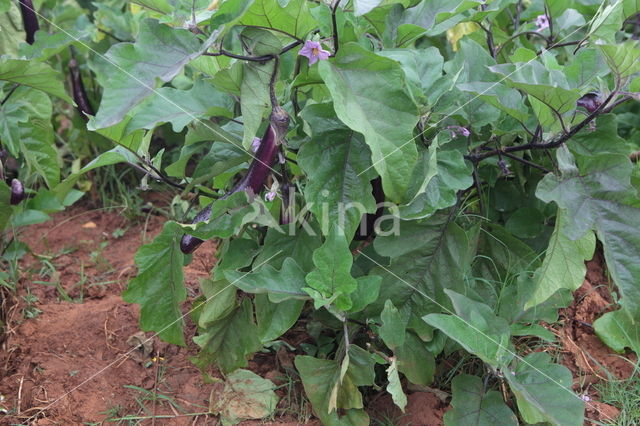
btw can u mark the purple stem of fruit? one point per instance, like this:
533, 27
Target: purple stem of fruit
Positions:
256, 176
79, 93
17, 192
29, 20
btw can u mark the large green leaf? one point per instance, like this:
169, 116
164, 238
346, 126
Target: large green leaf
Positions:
446, 172
548, 86
563, 265
623, 58
598, 195
476, 328
472, 405
294, 18
33, 74
336, 162
415, 361
394, 324
331, 280
352, 77
427, 258
159, 287
180, 107
285, 284
274, 319
26, 131
159, 53
543, 391
254, 97
319, 378
231, 340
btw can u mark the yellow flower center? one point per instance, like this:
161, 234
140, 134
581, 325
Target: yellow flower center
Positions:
315, 51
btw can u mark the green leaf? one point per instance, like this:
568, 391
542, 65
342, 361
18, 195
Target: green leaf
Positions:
477, 329
229, 215
180, 107
366, 293
280, 285
5, 207
415, 361
274, 319
319, 377
34, 74
337, 163
598, 195
352, 77
548, 86
472, 405
502, 97
543, 391
618, 330
159, 286
563, 265
427, 257
623, 58
395, 387
332, 276
394, 324
220, 301
254, 97
365, 6
160, 52
446, 173
294, 18
231, 340
245, 396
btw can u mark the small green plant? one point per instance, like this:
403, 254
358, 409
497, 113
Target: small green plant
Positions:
624, 395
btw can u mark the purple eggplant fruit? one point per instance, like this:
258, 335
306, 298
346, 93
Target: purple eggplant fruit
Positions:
29, 20
17, 192
79, 93
257, 174
590, 102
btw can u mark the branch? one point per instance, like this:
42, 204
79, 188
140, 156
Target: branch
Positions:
262, 58
6, 98
553, 144
515, 36
293, 36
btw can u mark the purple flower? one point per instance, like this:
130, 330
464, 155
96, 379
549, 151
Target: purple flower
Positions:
270, 196
255, 144
542, 22
458, 130
314, 51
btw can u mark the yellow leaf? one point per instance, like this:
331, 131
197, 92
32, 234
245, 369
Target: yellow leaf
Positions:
456, 33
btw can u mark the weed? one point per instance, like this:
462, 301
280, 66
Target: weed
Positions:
30, 311
624, 395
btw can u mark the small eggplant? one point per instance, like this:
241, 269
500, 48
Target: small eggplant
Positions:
257, 174
590, 102
29, 20
17, 192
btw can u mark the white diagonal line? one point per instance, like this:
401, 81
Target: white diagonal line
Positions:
476, 329
143, 84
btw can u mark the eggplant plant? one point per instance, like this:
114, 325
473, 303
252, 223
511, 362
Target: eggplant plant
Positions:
430, 180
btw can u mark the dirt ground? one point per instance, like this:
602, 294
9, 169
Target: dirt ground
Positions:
76, 362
